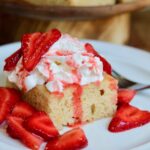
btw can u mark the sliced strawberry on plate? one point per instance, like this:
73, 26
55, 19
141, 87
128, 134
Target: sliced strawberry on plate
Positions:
8, 98
35, 45
29, 44
23, 110
106, 64
22, 134
125, 95
71, 140
40, 124
11, 133
128, 117
11, 61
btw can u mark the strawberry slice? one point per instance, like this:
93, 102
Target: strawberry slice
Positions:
35, 45
106, 64
23, 110
40, 124
125, 95
29, 42
11, 133
128, 117
22, 134
11, 61
71, 140
8, 98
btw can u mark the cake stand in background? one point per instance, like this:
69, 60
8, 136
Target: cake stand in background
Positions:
107, 23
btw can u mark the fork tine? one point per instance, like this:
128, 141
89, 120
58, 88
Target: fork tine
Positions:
123, 82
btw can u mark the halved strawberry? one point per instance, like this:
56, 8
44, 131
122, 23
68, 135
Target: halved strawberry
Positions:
40, 124
125, 95
12, 60
22, 134
128, 117
8, 98
35, 45
106, 64
23, 110
71, 140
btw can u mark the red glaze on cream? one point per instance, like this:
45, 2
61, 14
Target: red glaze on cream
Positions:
87, 54
51, 76
78, 75
70, 61
64, 53
23, 73
77, 104
92, 61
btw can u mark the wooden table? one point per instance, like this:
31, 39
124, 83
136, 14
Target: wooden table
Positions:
140, 30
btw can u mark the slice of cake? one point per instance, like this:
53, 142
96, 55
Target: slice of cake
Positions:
64, 77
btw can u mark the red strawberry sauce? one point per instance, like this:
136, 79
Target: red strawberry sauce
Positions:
47, 67
77, 104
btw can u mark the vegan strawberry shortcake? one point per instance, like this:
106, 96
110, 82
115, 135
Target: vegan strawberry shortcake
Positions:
63, 77
64, 82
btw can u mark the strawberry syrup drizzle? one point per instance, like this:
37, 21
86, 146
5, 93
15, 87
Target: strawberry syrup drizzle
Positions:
51, 76
77, 75
70, 61
64, 53
24, 74
77, 104
97, 83
58, 94
92, 61
76, 124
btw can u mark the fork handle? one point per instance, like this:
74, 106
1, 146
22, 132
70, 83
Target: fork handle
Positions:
143, 88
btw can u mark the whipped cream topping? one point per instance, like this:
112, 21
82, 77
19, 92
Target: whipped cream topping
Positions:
66, 62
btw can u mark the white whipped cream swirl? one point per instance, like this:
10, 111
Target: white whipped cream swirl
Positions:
66, 62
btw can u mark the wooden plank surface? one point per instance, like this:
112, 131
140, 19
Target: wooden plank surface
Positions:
70, 12
140, 30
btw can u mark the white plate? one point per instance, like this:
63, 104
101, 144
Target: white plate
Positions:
98, 136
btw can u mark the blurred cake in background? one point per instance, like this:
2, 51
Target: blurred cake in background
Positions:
71, 2
124, 1
115, 29
76, 2
140, 30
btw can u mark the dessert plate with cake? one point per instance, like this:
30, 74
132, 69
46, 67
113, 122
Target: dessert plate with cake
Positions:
57, 92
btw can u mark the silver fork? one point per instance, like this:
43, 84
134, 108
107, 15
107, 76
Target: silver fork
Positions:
123, 82
142, 88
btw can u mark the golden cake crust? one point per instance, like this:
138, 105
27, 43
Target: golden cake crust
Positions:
97, 101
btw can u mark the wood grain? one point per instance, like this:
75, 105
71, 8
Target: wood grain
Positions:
113, 29
140, 30
73, 13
